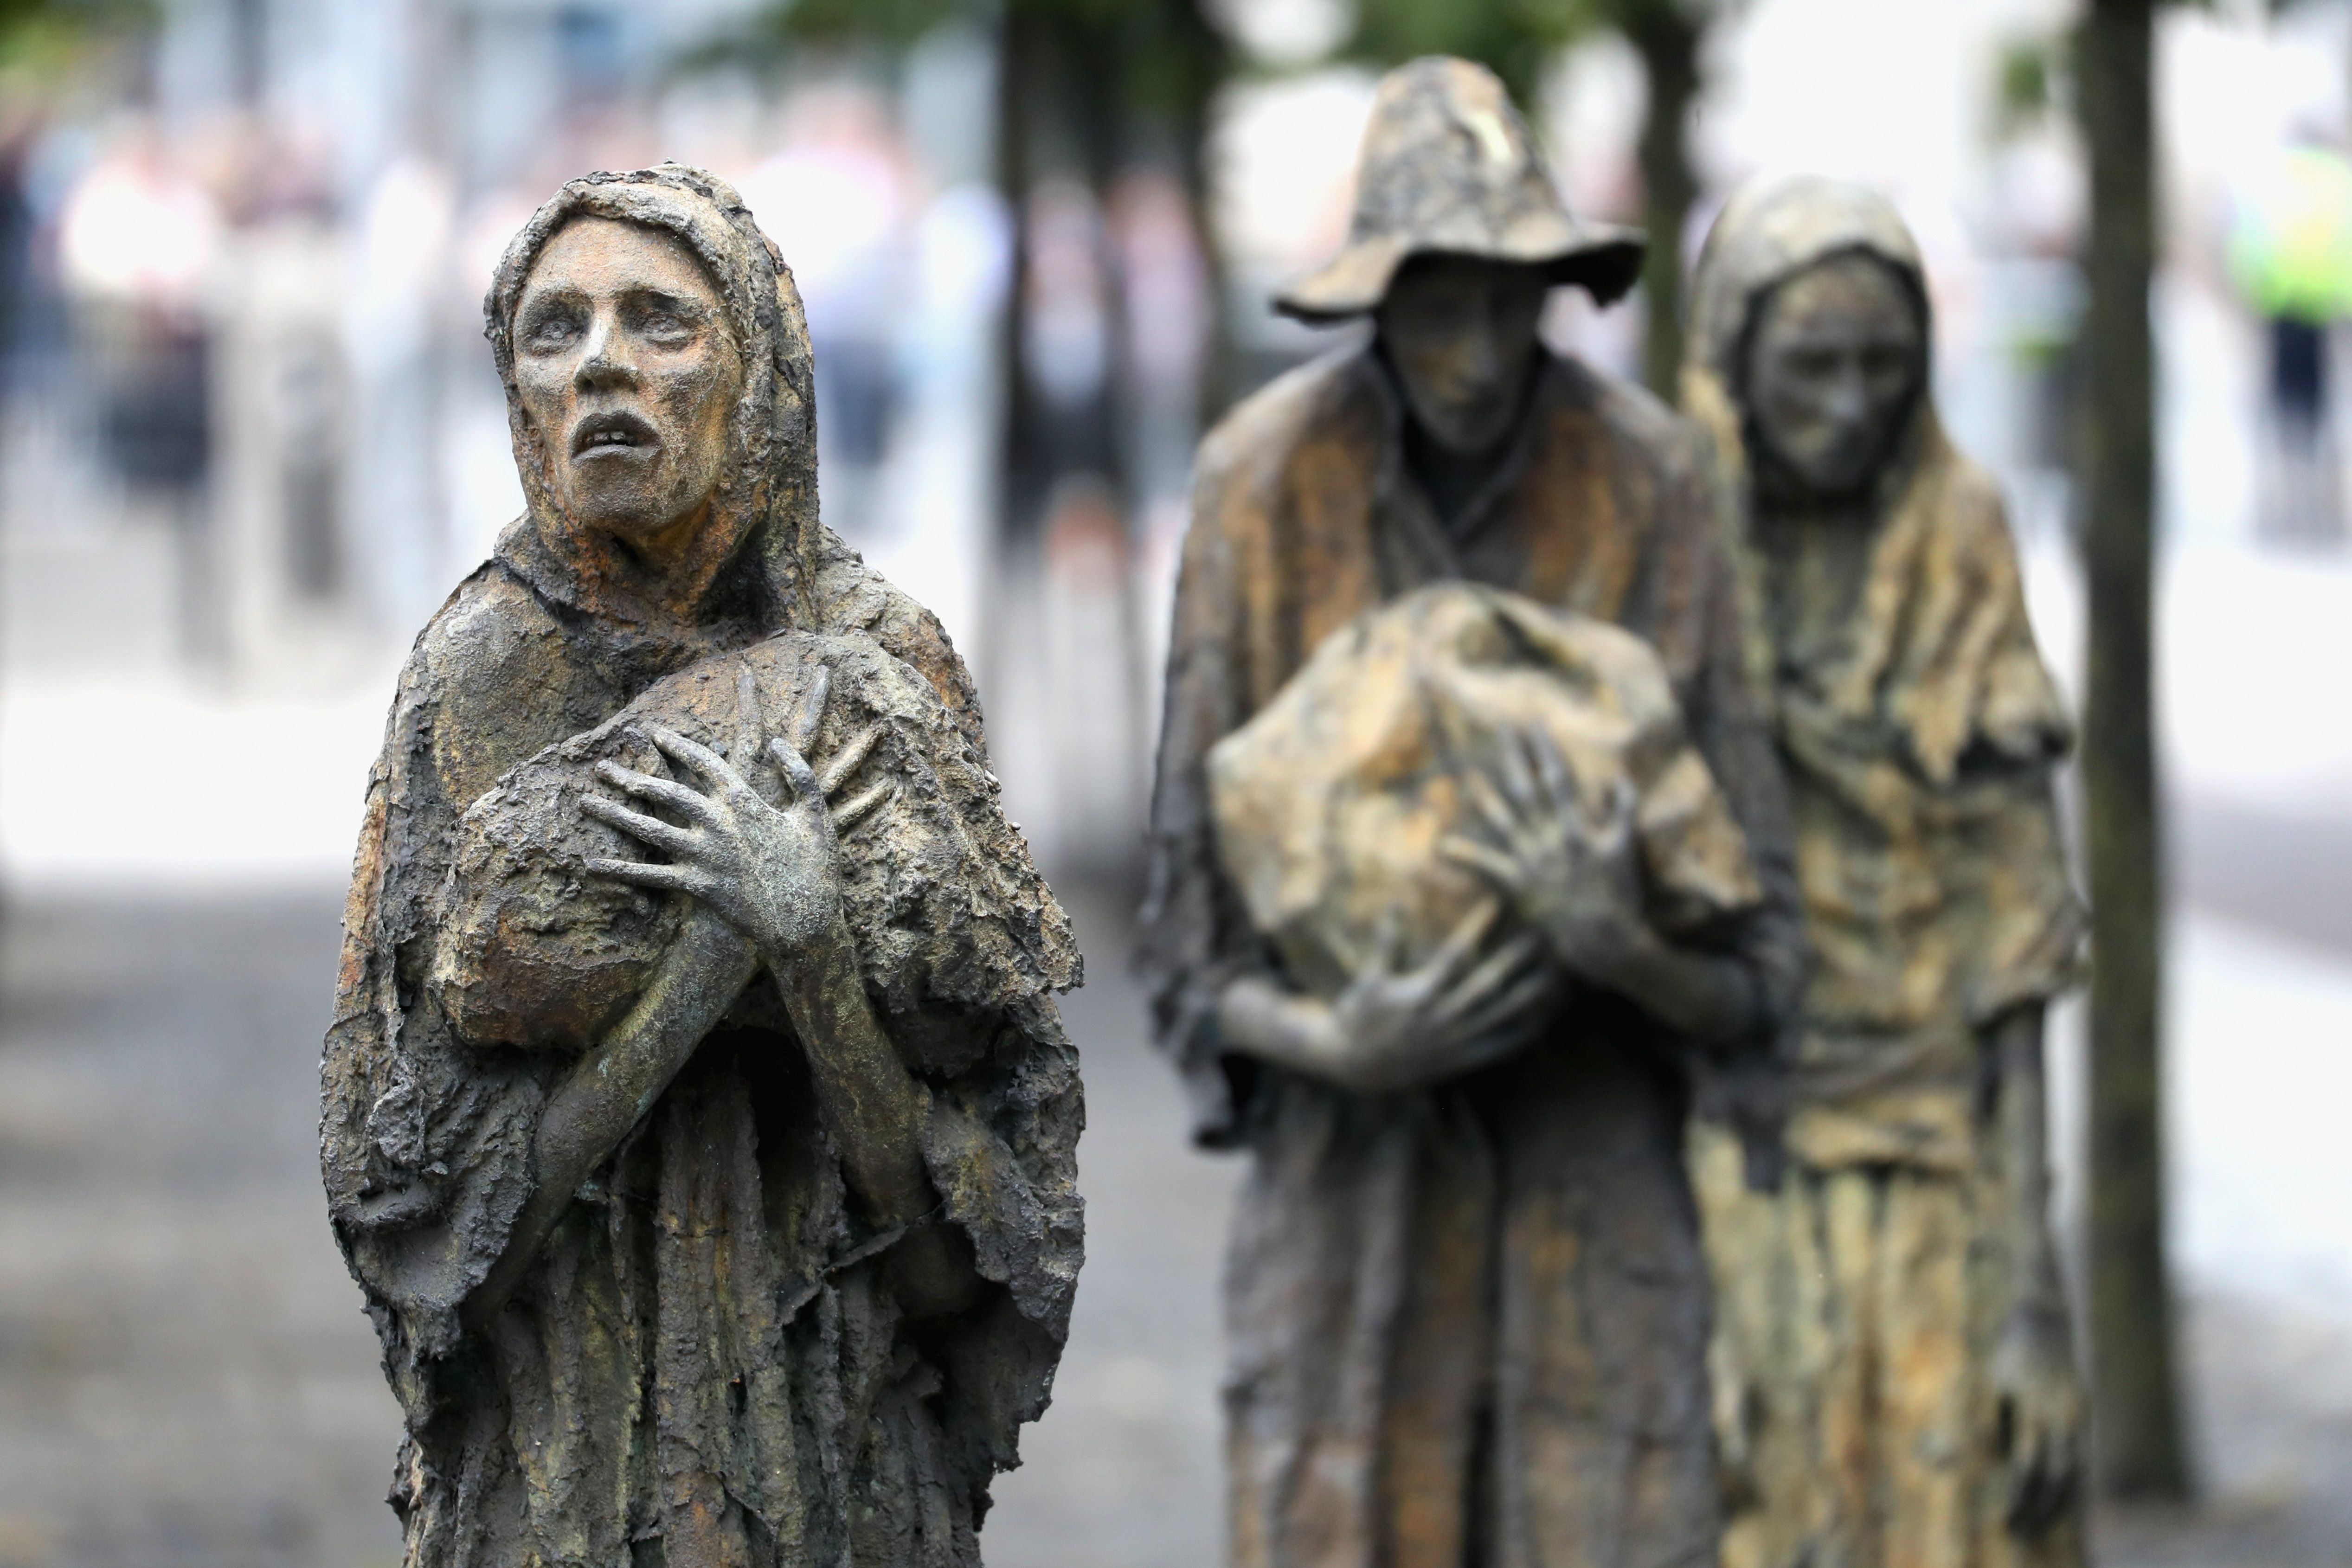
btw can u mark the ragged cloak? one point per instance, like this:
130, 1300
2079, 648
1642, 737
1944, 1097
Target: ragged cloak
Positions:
706, 1363
1468, 1323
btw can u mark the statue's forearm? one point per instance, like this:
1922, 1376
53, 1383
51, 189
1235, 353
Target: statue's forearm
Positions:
612, 1087
1704, 995
875, 1112
2016, 1043
871, 1106
1257, 1018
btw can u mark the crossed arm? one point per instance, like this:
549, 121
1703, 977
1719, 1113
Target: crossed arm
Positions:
767, 895
1571, 873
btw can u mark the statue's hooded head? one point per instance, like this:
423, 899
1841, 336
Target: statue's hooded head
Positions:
1934, 645
1809, 338
659, 381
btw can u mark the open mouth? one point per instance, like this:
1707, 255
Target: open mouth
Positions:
619, 434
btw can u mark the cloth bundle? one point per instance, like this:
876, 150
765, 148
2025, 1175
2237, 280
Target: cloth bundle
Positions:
534, 950
1331, 803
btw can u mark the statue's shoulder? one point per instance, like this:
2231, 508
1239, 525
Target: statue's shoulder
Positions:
1329, 399
493, 678
1638, 423
488, 622
851, 596
1972, 501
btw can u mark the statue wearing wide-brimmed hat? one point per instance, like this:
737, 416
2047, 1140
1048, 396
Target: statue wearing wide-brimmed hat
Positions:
1467, 1308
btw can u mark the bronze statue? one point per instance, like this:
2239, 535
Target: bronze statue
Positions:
697, 1119
1467, 1308
1897, 1381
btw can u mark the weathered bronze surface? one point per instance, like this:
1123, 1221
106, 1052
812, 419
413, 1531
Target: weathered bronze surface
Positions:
1466, 1305
1897, 1384
697, 1119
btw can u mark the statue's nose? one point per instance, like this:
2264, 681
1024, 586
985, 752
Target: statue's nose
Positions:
1849, 396
604, 360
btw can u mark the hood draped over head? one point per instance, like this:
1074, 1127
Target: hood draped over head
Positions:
766, 504
1939, 645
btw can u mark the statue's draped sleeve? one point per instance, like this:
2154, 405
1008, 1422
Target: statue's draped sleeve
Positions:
425, 1145
1196, 936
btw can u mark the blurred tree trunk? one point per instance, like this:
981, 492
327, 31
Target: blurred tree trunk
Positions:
2135, 1398
1022, 67
1084, 92
1667, 39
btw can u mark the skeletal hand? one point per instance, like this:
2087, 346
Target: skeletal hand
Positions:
1573, 874
762, 858
2039, 1417
1391, 1025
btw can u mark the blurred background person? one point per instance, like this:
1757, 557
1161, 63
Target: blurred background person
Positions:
837, 188
2291, 252
137, 243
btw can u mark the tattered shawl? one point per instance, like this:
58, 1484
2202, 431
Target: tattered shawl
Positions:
1466, 1323
704, 1361
1920, 733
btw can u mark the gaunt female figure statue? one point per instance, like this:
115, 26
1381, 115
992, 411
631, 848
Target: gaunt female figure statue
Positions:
697, 1115
1897, 1384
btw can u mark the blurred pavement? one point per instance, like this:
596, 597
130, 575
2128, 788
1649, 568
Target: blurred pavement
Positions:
187, 1377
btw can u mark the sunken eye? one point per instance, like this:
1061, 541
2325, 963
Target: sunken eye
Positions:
554, 327
664, 321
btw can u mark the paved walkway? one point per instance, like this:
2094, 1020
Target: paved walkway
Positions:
186, 1380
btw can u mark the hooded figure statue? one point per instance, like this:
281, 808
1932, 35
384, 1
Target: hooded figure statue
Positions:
1896, 1375
734, 1222
1467, 1314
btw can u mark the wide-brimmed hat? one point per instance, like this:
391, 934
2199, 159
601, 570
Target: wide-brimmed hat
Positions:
1449, 166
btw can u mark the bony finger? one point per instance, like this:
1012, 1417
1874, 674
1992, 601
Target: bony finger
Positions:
847, 816
812, 712
664, 878
1461, 945
1513, 1010
748, 727
1489, 803
796, 771
695, 755
694, 803
652, 830
1497, 969
845, 761
1485, 859
1552, 767
1515, 775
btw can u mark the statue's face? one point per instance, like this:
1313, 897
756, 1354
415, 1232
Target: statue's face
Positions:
1461, 331
1832, 365
628, 374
